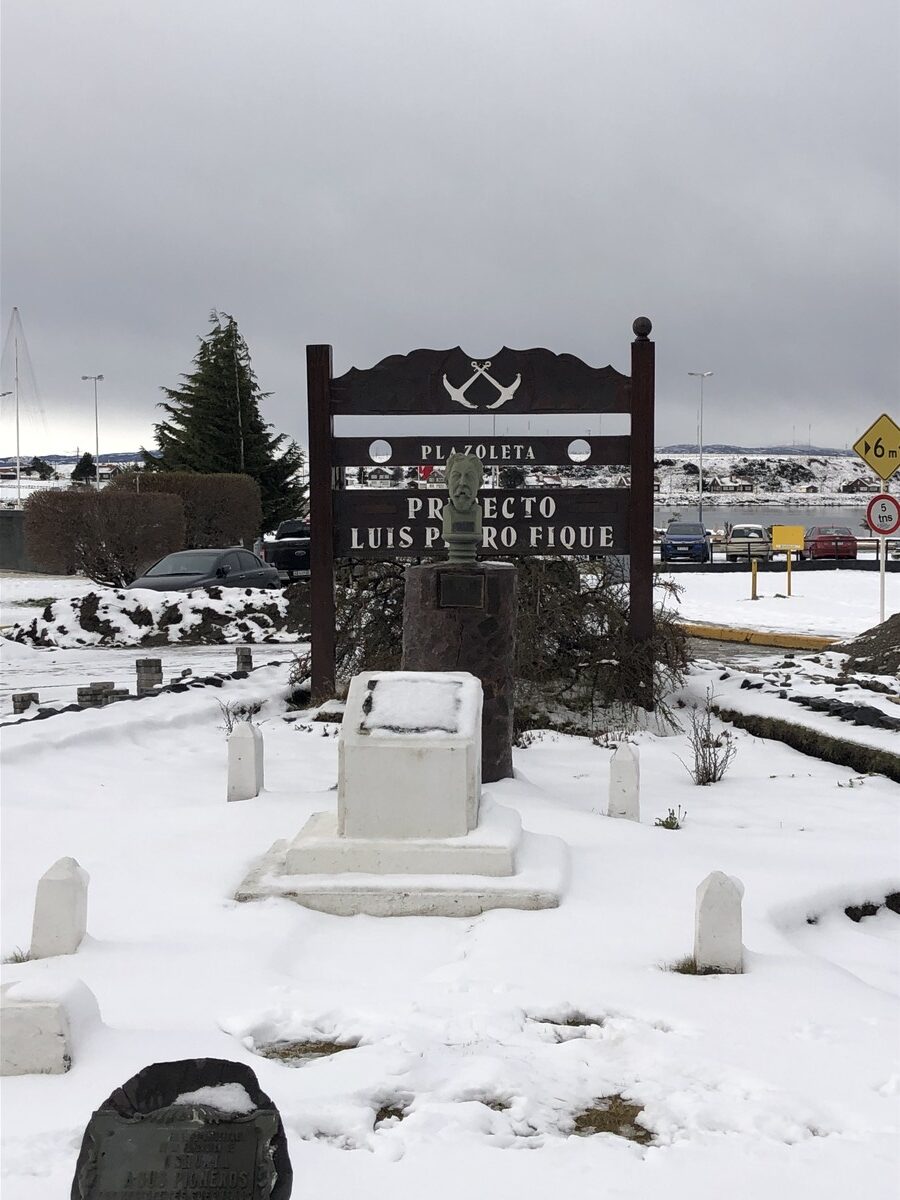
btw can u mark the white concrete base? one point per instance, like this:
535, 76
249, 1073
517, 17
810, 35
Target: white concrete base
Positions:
542, 871
489, 849
245, 761
39, 1025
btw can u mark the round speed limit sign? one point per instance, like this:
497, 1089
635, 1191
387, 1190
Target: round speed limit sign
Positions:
883, 514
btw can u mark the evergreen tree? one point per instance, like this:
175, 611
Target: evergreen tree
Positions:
41, 468
213, 424
85, 470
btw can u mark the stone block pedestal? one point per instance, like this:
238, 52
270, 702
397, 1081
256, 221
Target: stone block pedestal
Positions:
462, 617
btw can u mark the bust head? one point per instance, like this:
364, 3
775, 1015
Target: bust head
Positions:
464, 476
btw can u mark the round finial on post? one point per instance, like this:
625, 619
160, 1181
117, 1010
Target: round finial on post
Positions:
642, 327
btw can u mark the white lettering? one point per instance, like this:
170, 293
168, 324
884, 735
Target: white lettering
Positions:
489, 537
606, 535
490, 508
405, 537
414, 503
535, 534
355, 543
530, 454
435, 508
587, 536
547, 506
507, 508
431, 536
505, 451
375, 538
528, 504
425, 453
567, 537
507, 536
551, 536
480, 450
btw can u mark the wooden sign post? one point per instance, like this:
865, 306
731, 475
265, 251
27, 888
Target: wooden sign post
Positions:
387, 524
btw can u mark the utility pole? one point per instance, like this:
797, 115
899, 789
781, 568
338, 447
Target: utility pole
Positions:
701, 375
237, 392
96, 379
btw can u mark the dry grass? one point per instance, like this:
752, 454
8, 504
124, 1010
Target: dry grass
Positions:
298, 1053
616, 1115
688, 966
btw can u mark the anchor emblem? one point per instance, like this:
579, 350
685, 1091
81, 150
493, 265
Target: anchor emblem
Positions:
505, 392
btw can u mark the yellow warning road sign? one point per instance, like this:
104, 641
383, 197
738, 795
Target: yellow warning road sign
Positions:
879, 446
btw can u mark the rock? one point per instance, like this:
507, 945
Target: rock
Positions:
42, 1025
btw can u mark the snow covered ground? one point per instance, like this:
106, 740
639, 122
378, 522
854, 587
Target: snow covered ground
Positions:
784, 1081
831, 603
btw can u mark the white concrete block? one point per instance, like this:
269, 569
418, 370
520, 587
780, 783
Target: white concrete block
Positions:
41, 1025
718, 924
625, 783
60, 910
245, 761
409, 755
489, 849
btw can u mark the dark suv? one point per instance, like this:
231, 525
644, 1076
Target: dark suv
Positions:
683, 540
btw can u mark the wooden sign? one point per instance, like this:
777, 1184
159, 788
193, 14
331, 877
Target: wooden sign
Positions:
388, 523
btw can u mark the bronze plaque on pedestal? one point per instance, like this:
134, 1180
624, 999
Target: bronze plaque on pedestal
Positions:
456, 590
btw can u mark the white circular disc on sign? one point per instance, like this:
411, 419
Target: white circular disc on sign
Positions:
883, 514
579, 451
380, 451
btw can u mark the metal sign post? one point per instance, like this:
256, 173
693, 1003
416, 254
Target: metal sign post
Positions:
883, 518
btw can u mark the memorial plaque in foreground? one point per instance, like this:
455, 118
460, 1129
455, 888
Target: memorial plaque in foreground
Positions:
194, 1130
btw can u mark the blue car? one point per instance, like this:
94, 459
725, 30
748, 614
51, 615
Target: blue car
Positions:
685, 541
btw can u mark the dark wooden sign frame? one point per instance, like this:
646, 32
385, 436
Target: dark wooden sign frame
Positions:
448, 381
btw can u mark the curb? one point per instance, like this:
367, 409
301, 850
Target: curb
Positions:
759, 637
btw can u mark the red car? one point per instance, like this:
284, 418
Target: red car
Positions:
829, 541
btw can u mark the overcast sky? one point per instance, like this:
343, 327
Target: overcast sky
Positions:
389, 174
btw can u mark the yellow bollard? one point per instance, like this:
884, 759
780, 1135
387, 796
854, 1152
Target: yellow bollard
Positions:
753, 595
789, 553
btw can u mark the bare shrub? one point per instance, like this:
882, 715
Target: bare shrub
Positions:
110, 536
574, 654
713, 752
219, 509
234, 712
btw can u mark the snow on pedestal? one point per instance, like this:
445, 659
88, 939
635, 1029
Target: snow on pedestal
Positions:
412, 833
409, 755
60, 910
625, 783
42, 1025
245, 762
717, 924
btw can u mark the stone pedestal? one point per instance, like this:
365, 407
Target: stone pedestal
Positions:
462, 617
413, 834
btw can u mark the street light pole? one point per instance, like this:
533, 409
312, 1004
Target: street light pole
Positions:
96, 379
701, 375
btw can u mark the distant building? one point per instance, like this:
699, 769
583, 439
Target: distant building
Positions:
727, 484
855, 486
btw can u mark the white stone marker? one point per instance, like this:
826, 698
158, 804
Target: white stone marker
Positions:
60, 910
41, 1024
717, 924
625, 783
245, 762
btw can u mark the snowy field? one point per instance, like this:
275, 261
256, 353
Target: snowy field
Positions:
488, 1034
831, 603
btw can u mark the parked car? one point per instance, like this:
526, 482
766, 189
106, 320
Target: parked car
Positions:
685, 540
188, 569
829, 541
288, 551
748, 541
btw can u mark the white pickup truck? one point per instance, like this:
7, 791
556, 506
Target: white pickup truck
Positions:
744, 542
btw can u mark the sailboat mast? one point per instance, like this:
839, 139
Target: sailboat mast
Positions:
18, 459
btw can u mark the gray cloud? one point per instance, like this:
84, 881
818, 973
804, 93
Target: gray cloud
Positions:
384, 174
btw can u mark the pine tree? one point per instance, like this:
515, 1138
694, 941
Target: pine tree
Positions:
213, 424
41, 468
84, 470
